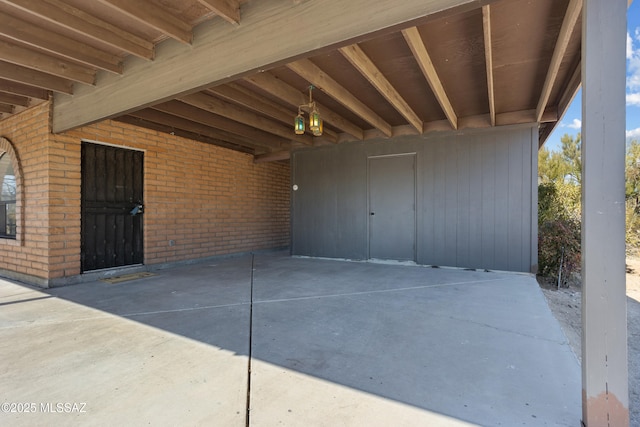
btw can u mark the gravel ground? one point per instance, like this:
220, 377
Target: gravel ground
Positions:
565, 305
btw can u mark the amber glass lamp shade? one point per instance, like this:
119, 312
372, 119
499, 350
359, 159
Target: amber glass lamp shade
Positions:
314, 121
318, 131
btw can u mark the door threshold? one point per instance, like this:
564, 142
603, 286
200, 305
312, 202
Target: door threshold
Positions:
391, 262
109, 270
106, 273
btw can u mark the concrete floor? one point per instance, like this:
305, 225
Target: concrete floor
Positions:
327, 343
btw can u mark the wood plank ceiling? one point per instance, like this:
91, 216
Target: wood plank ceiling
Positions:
497, 63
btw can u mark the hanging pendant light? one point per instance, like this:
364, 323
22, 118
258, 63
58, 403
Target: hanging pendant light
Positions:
315, 120
298, 124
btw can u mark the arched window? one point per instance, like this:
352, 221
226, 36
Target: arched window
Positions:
11, 196
7, 198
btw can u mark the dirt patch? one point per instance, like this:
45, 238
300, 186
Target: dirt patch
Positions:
565, 303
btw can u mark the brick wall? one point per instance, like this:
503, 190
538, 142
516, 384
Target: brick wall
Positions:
208, 200
28, 133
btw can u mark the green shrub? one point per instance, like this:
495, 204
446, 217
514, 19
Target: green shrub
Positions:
558, 229
559, 245
632, 235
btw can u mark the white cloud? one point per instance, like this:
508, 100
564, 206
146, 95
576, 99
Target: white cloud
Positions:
633, 62
575, 124
633, 134
633, 99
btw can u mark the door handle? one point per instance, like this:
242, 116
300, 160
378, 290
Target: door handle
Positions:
137, 210
372, 213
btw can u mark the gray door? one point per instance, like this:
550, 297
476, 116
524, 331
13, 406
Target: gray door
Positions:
392, 207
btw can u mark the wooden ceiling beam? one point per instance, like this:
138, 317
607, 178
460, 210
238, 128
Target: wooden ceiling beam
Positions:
475, 122
272, 157
568, 25
9, 98
401, 130
59, 45
526, 116
136, 121
419, 50
241, 95
176, 122
35, 78
76, 20
28, 58
20, 89
481, 121
228, 10
545, 131
488, 59
233, 112
217, 56
439, 126
154, 17
570, 90
314, 75
6, 108
356, 56
283, 91
329, 135
180, 109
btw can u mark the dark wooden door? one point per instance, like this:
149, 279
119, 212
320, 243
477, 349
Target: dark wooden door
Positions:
112, 182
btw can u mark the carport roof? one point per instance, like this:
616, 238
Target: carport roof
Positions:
233, 72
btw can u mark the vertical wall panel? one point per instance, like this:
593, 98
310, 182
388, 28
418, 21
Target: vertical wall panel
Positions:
501, 212
475, 203
450, 223
439, 205
533, 188
515, 207
352, 203
463, 253
488, 177
426, 241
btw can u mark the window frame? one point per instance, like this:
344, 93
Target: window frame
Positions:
7, 149
5, 232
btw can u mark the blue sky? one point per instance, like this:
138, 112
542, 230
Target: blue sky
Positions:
572, 119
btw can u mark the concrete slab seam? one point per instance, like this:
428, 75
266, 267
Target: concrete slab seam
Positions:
250, 355
178, 310
380, 291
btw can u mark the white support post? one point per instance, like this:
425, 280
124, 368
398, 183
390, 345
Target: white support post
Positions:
605, 395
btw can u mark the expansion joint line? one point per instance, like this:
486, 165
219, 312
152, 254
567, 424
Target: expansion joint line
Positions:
248, 415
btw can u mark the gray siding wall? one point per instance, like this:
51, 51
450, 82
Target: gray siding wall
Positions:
476, 198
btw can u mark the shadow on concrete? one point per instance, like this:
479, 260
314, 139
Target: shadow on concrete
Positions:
338, 342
